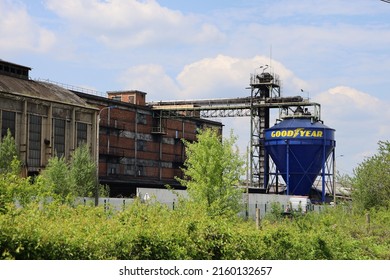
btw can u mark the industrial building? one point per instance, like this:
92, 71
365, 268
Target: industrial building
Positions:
138, 148
138, 144
45, 119
134, 146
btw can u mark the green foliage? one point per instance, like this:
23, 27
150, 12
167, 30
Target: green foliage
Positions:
32, 228
152, 231
344, 181
57, 179
211, 173
83, 172
16, 189
76, 178
8, 152
276, 212
371, 182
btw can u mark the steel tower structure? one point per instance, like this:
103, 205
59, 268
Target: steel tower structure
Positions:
264, 87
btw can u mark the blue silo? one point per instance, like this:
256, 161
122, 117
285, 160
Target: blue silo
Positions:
299, 147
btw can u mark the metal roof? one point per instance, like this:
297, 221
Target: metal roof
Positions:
40, 90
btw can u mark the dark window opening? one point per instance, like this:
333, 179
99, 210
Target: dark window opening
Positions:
81, 134
7, 122
141, 118
34, 141
59, 137
140, 170
141, 145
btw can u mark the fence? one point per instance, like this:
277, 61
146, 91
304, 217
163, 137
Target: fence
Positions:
120, 204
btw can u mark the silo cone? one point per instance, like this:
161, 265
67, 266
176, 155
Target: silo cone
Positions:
299, 148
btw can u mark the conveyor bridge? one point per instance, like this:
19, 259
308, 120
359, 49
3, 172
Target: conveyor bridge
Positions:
265, 95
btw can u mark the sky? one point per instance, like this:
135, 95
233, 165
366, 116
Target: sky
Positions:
337, 51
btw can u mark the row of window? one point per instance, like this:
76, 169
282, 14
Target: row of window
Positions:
8, 122
114, 169
20, 71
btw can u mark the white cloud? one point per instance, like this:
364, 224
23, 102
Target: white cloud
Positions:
345, 102
129, 23
226, 76
19, 31
218, 77
151, 79
360, 120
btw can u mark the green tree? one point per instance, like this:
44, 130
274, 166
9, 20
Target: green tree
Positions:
15, 189
212, 171
74, 178
371, 181
8, 152
57, 178
83, 172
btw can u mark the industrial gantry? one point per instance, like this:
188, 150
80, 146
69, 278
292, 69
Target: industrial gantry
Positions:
265, 95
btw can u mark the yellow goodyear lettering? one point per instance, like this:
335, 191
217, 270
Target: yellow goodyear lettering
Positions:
298, 132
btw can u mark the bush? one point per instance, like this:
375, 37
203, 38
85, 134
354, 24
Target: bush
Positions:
152, 231
371, 181
67, 180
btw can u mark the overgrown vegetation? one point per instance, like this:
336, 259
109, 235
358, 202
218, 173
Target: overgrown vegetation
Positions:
151, 231
371, 181
34, 228
68, 180
8, 153
212, 172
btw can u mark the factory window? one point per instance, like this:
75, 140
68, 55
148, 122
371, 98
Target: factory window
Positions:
81, 133
113, 169
141, 145
140, 170
7, 122
129, 169
141, 118
132, 99
59, 137
34, 141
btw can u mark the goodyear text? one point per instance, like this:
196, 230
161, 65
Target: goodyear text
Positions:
298, 132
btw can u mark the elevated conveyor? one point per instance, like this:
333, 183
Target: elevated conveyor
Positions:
265, 95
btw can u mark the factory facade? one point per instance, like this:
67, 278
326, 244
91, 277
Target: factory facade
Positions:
44, 119
133, 145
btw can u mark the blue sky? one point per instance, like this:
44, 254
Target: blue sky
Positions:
336, 50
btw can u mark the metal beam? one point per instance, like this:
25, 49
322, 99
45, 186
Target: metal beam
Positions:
265, 95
